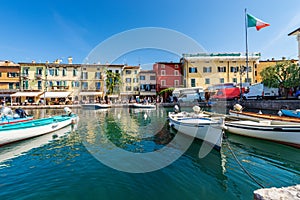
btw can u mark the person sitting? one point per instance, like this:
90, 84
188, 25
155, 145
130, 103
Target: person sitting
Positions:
21, 112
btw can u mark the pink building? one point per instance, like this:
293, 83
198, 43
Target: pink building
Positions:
168, 75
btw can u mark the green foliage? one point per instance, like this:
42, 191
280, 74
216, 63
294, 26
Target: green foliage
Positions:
113, 81
284, 74
167, 90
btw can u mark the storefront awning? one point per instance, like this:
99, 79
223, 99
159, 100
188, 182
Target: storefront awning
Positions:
26, 94
90, 93
56, 94
148, 93
5, 95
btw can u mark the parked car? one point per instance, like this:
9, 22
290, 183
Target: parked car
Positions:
228, 93
260, 91
190, 97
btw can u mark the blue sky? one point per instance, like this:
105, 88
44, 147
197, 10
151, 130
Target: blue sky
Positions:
44, 30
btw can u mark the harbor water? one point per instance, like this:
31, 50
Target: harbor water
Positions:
86, 161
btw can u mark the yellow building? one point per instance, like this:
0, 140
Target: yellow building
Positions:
9, 79
207, 69
61, 82
130, 83
267, 63
91, 83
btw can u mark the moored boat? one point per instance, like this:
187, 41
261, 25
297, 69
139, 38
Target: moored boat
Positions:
288, 134
9, 117
291, 113
276, 119
24, 130
199, 125
95, 106
146, 105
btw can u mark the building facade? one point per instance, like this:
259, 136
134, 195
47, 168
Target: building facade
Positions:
130, 83
147, 83
9, 79
168, 75
204, 69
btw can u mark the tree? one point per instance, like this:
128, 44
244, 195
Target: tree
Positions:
284, 75
112, 81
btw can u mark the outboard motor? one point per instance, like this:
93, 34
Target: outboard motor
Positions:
68, 111
176, 109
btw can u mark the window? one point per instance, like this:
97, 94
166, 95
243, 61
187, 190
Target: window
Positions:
128, 80
234, 69
142, 78
97, 75
248, 80
176, 73
84, 75
39, 85
221, 80
135, 80
207, 81
117, 71
12, 74
162, 66
75, 84
10, 86
135, 72
50, 83
50, 72
0, 74
249, 69
17, 85
97, 85
136, 88
25, 85
39, 71
176, 66
128, 72
84, 85
234, 80
26, 71
176, 83
193, 82
163, 83
163, 72
152, 78
64, 72
207, 69
56, 72
193, 70
75, 72
221, 69
128, 88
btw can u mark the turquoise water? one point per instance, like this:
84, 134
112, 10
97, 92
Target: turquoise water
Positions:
68, 167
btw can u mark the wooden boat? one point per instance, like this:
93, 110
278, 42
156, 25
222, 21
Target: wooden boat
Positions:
9, 117
291, 113
95, 106
242, 115
20, 131
140, 105
288, 134
198, 125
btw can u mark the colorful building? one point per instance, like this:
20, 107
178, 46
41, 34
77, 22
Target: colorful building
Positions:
296, 33
147, 83
168, 75
207, 69
9, 79
130, 83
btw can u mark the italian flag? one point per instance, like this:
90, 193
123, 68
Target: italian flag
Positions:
254, 22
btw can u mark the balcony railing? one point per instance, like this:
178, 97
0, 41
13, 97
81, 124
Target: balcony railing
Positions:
38, 76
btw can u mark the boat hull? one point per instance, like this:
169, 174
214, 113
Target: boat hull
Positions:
201, 128
16, 132
285, 134
291, 113
137, 105
14, 120
95, 106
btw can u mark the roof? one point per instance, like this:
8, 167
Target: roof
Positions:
8, 63
295, 32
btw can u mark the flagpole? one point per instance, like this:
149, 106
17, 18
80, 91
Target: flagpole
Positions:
247, 58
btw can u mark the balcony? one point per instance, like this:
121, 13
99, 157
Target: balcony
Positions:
59, 87
25, 75
38, 76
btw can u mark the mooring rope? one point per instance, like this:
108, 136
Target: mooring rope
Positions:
240, 164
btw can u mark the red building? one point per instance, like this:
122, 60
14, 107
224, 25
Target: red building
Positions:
168, 75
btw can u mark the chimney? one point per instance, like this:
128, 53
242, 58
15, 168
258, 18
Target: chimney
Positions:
70, 60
